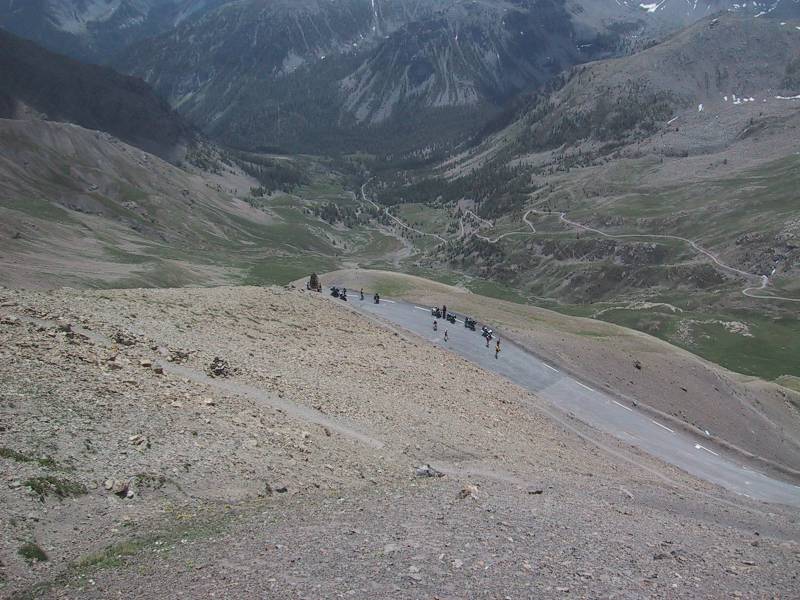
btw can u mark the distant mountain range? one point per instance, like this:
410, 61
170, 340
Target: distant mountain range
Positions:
389, 76
323, 76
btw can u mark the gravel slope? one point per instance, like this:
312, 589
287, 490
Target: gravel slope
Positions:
295, 475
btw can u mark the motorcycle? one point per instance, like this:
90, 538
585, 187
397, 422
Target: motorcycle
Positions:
470, 323
451, 317
436, 312
335, 292
486, 332
343, 295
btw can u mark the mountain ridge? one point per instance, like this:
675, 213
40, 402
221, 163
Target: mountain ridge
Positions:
36, 83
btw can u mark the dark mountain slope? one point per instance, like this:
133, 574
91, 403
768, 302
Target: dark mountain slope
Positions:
62, 89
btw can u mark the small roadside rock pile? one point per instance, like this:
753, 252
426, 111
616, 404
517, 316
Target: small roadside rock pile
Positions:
469, 491
178, 356
153, 366
125, 338
427, 471
219, 368
120, 487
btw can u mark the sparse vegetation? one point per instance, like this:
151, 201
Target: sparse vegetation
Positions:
55, 486
47, 462
32, 552
111, 556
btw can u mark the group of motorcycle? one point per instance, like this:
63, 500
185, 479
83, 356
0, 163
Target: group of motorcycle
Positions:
469, 322
438, 313
342, 294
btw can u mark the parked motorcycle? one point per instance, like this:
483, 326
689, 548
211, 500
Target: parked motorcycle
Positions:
335, 292
470, 323
436, 312
451, 317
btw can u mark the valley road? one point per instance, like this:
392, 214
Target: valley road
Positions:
594, 407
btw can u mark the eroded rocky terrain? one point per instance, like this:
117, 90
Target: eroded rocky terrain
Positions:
268, 442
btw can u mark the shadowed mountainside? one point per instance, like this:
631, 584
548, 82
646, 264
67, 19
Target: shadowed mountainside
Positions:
36, 83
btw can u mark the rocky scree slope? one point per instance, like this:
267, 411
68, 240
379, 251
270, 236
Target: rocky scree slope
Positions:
721, 59
125, 464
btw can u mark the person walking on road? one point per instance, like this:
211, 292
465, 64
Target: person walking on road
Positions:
445, 335
435, 325
497, 350
488, 339
362, 293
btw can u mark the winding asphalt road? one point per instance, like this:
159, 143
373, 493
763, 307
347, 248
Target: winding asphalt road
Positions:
594, 407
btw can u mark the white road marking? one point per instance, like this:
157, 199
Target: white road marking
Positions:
622, 405
699, 447
551, 368
584, 386
420, 308
389, 301
662, 426
457, 321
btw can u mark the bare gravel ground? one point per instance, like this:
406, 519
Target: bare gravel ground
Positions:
292, 473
